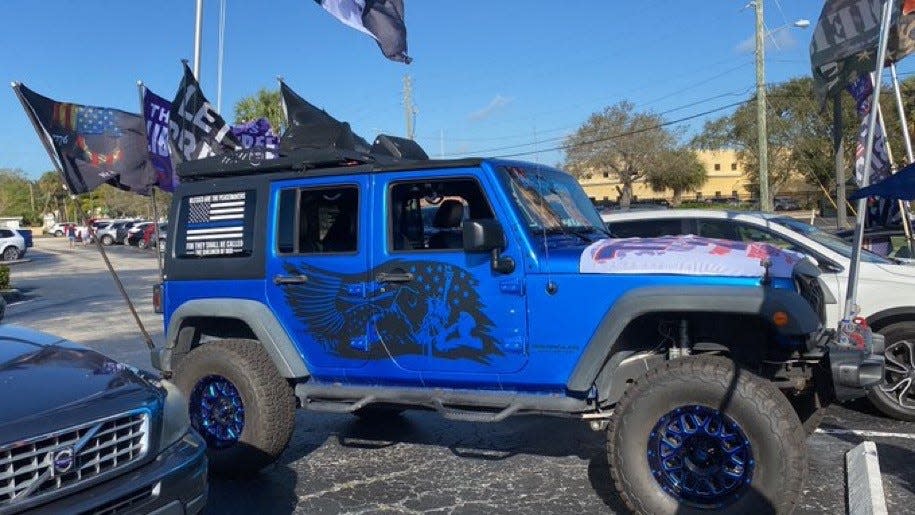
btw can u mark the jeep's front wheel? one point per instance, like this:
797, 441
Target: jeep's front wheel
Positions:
238, 403
698, 434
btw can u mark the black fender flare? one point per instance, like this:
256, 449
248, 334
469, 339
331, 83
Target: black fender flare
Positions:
740, 300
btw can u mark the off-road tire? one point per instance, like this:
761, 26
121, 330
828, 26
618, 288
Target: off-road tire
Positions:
378, 412
776, 436
10, 253
882, 401
107, 240
267, 398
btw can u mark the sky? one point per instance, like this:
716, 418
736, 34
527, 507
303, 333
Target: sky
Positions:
490, 78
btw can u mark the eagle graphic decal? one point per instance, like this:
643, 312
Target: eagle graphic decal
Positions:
438, 313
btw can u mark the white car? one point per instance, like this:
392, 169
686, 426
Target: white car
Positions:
57, 230
12, 245
886, 289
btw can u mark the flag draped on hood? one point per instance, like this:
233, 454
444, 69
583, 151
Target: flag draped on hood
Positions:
195, 129
91, 145
844, 43
381, 19
155, 112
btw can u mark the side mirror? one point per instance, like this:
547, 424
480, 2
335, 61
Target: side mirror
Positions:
482, 235
487, 236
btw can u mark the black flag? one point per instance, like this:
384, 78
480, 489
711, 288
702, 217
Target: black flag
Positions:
309, 126
195, 129
91, 145
381, 19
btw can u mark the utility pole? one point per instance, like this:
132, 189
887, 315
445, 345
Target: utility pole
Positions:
198, 30
408, 108
839, 150
765, 203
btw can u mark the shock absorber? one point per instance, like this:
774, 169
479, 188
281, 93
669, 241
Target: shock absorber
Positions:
682, 347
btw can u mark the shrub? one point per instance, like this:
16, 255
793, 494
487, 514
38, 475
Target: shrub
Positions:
4, 277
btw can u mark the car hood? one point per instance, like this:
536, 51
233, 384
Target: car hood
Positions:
49, 384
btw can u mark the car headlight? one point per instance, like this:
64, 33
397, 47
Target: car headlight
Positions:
175, 420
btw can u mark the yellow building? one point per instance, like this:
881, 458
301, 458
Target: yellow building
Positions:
725, 180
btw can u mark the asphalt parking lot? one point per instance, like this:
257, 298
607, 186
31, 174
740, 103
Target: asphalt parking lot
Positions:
419, 462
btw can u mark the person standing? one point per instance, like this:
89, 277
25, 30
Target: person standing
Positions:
71, 234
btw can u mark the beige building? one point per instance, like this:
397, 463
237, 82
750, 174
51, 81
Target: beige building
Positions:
725, 180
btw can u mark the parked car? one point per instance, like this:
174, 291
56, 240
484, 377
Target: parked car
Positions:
27, 236
135, 233
893, 239
80, 433
886, 288
12, 245
114, 232
58, 229
325, 289
149, 236
786, 204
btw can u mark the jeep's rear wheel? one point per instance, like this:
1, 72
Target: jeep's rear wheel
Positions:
896, 396
698, 434
238, 403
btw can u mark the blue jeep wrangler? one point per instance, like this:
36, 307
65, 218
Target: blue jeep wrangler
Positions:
332, 282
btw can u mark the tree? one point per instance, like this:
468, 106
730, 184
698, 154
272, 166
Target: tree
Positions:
621, 141
677, 170
263, 104
799, 132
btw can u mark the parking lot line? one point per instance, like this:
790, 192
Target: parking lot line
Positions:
864, 433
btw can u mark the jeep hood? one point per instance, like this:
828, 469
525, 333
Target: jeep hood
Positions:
686, 255
48, 383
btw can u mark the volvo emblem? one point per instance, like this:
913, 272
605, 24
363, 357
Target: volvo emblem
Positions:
63, 460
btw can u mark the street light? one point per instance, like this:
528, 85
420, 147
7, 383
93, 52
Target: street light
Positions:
765, 202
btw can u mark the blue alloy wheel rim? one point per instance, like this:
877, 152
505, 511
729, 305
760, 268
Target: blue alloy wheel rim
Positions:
217, 412
700, 456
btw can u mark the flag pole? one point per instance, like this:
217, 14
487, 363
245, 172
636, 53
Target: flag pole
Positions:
910, 158
141, 88
851, 291
198, 30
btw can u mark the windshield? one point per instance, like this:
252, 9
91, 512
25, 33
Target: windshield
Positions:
551, 201
830, 241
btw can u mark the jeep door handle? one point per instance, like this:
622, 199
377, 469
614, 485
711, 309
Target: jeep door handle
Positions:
394, 277
283, 280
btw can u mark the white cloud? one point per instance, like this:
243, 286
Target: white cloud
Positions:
497, 102
780, 39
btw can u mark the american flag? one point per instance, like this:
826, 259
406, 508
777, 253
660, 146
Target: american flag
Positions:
94, 120
216, 217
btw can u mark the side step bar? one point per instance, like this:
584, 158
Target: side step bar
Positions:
453, 404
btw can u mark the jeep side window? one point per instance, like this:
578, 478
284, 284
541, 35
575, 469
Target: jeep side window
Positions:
427, 215
318, 220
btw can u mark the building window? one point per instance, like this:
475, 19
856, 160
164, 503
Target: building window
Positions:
734, 194
606, 175
606, 199
698, 195
733, 167
592, 199
717, 194
717, 167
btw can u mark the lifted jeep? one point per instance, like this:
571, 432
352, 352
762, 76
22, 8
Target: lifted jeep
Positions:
329, 282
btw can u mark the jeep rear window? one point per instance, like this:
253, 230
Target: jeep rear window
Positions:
318, 220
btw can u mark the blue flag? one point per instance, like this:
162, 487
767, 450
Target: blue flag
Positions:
155, 112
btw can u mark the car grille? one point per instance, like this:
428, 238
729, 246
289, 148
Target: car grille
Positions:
809, 288
59, 460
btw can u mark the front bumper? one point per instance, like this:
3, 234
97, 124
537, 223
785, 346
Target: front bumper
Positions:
174, 483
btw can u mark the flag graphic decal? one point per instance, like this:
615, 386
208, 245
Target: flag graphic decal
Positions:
216, 224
